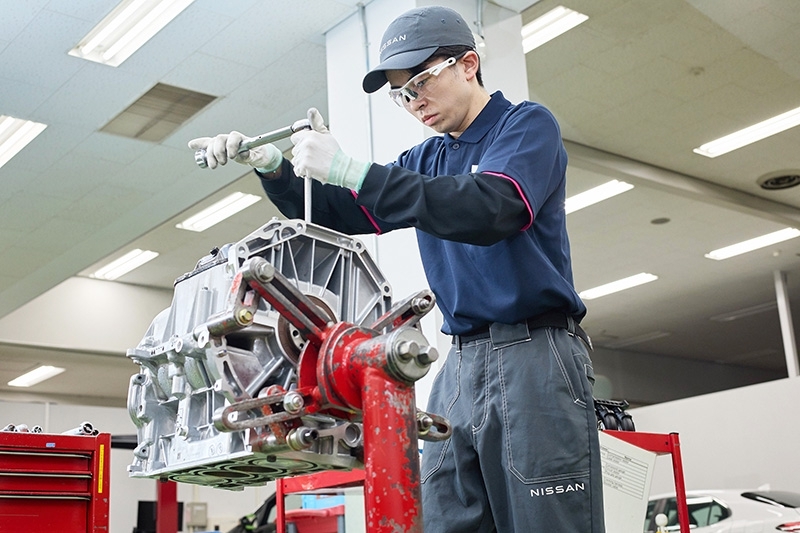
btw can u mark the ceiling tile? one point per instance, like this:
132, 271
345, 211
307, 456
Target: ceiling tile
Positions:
88, 93
28, 210
21, 99
58, 139
20, 260
104, 204
209, 74
185, 35
30, 55
17, 16
10, 237
60, 233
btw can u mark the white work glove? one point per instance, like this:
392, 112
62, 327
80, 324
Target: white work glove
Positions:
316, 154
265, 158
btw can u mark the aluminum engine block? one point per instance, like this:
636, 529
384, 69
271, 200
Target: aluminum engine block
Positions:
218, 344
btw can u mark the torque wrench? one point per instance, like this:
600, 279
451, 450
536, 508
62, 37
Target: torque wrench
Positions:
264, 138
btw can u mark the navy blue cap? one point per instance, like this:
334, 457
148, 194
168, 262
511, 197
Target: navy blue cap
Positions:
413, 37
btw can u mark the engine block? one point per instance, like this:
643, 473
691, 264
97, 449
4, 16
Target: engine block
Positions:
219, 344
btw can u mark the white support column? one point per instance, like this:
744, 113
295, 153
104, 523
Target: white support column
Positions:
372, 128
787, 329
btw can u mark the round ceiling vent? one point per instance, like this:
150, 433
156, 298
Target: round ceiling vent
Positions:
783, 179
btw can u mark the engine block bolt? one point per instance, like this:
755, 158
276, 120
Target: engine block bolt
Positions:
424, 423
293, 402
244, 316
407, 350
428, 355
301, 438
421, 305
264, 271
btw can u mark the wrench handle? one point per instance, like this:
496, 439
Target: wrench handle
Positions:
264, 138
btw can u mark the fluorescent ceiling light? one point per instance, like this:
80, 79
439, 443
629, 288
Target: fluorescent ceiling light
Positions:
549, 26
216, 213
751, 134
654, 335
129, 25
597, 194
125, 264
753, 244
37, 375
619, 285
15, 134
745, 312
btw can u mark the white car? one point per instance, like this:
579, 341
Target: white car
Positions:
729, 511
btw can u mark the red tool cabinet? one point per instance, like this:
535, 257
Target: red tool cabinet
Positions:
54, 483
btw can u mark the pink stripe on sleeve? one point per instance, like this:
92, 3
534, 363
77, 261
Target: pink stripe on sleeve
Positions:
371, 220
519, 190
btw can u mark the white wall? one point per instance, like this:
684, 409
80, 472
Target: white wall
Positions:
629, 375
735, 439
86, 313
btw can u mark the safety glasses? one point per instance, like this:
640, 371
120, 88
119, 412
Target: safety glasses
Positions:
421, 84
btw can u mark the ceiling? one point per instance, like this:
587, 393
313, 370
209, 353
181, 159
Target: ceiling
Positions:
640, 81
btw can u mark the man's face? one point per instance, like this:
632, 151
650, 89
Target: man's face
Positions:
436, 96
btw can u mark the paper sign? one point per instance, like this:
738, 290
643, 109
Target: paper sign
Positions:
627, 475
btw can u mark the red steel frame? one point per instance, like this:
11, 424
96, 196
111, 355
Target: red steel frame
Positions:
311, 482
166, 507
54, 482
350, 372
662, 444
354, 373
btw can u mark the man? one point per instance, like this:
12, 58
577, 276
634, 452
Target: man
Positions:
487, 200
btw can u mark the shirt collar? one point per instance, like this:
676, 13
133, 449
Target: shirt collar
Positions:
485, 120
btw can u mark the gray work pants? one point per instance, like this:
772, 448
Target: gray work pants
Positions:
524, 455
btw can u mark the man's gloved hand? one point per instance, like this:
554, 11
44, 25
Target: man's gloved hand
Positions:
265, 158
317, 154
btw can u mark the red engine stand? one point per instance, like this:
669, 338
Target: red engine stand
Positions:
363, 375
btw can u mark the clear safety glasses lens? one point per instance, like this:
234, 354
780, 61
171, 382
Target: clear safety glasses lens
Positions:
419, 85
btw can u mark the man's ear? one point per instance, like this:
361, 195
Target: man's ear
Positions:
471, 63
